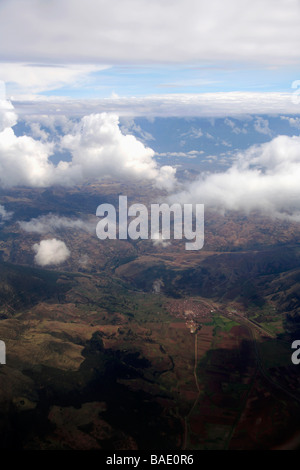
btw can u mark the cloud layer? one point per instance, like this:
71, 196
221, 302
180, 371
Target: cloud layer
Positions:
220, 104
131, 31
50, 252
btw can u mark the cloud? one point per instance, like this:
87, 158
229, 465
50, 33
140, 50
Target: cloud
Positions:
193, 133
264, 177
84, 260
28, 79
189, 83
191, 154
234, 127
50, 252
293, 122
98, 149
211, 105
4, 214
8, 117
262, 126
55, 124
53, 223
132, 31
159, 240
37, 132
128, 126
24, 161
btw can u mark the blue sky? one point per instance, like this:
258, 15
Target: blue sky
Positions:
152, 80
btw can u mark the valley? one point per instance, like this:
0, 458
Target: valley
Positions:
128, 345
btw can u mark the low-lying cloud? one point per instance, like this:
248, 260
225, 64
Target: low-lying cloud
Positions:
265, 177
4, 214
159, 240
54, 223
50, 252
98, 150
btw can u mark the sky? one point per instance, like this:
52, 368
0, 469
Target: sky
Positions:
114, 49
77, 78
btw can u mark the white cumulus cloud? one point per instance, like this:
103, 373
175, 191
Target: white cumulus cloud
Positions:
8, 117
98, 149
265, 177
24, 161
50, 252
